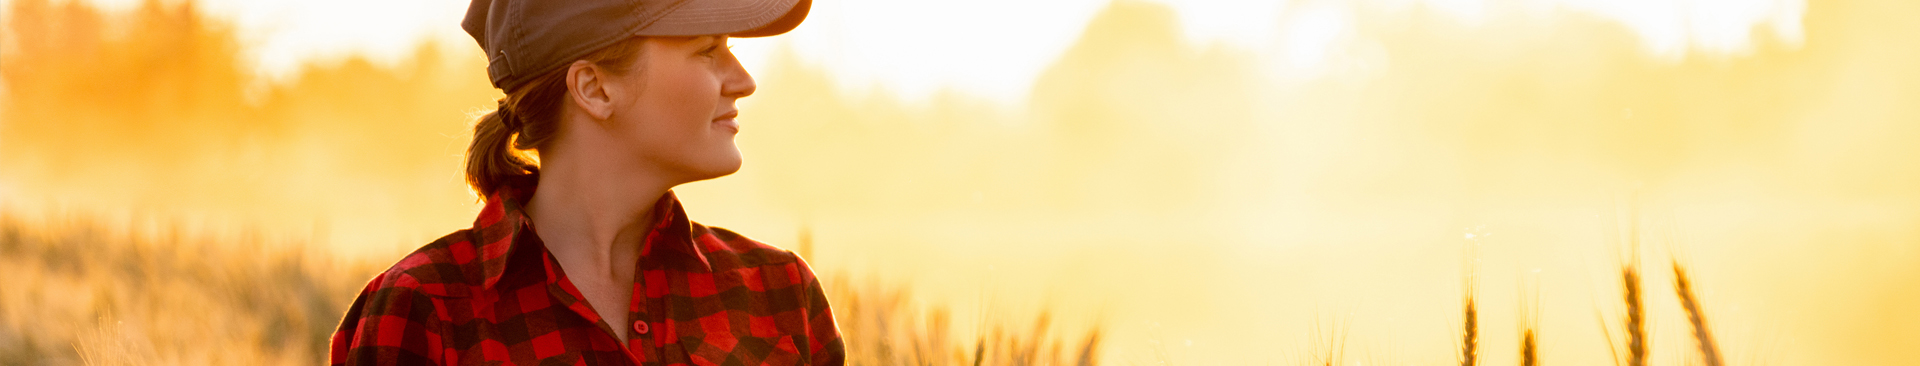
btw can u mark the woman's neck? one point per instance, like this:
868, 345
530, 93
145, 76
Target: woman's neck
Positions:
593, 220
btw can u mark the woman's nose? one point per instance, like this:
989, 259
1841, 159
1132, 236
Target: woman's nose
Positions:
736, 83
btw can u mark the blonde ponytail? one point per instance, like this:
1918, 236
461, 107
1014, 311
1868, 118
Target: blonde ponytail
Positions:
491, 160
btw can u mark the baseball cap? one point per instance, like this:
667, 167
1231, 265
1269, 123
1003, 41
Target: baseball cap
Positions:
524, 38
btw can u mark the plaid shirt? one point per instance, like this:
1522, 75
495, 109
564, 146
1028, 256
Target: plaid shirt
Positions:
492, 295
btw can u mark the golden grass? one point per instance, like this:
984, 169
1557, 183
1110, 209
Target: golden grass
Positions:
1634, 349
883, 326
84, 292
81, 291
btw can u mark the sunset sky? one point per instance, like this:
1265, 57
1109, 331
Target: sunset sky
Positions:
995, 48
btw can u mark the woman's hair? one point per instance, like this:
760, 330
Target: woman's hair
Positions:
526, 119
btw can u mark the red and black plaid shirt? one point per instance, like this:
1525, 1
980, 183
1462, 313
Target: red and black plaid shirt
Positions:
493, 295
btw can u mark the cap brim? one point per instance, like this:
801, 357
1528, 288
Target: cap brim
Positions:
734, 18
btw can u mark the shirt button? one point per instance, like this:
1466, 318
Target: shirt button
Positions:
640, 326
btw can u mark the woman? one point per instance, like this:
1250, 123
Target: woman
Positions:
582, 256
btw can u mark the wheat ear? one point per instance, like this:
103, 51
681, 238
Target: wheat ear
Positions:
1470, 334
1529, 353
1709, 351
1636, 317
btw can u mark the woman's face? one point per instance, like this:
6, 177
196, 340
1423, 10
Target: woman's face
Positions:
677, 112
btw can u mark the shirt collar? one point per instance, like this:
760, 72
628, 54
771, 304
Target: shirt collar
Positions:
503, 223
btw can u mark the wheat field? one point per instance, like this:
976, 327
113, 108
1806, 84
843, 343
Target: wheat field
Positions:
80, 291
1152, 200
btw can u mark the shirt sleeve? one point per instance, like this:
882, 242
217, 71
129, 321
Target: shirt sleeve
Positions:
823, 336
388, 325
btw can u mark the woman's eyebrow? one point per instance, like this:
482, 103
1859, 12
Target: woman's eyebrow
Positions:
700, 42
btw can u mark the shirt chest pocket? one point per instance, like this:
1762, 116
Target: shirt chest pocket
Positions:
741, 323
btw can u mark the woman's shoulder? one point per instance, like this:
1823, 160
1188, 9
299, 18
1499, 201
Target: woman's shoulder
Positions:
726, 248
438, 268
396, 318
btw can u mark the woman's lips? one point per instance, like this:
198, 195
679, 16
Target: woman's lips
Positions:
727, 120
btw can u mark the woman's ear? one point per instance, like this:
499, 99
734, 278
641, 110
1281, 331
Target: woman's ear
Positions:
587, 86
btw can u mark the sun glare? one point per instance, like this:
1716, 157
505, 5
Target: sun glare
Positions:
994, 48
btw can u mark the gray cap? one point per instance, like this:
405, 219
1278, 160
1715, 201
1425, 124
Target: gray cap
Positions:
524, 38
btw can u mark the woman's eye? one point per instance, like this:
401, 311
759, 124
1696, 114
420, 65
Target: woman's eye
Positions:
708, 52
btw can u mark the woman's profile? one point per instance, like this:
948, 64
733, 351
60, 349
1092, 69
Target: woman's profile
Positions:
582, 255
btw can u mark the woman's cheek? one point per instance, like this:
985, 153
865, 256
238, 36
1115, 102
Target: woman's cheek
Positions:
693, 101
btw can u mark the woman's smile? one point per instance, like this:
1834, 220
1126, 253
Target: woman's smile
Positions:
728, 121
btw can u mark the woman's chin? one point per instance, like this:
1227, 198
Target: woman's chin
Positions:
719, 167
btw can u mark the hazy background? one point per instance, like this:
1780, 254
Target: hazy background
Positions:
1209, 182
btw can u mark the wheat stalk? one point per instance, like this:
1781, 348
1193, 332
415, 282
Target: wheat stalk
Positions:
1636, 328
1530, 325
1469, 336
1088, 348
1709, 351
1529, 352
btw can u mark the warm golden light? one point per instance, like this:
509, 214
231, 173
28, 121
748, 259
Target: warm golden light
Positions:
1203, 194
